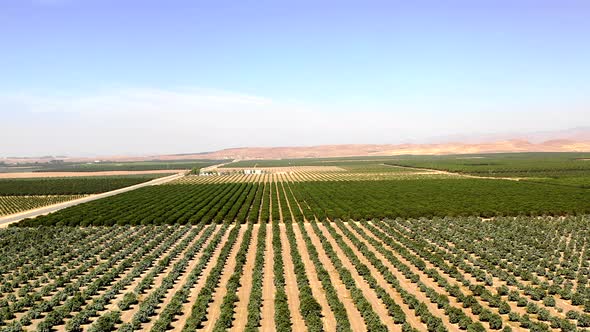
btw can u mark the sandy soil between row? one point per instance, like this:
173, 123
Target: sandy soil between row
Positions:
214, 308
180, 321
241, 310
268, 288
426, 280
368, 292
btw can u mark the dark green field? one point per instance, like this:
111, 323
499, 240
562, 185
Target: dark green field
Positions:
194, 203
70, 186
108, 166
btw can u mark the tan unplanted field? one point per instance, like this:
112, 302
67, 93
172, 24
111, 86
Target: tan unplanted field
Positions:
83, 174
315, 173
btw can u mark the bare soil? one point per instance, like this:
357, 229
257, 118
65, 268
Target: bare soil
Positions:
316, 287
315, 284
357, 322
180, 321
291, 283
241, 310
268, 288
214, 309
127, 316
368, 292
426, 280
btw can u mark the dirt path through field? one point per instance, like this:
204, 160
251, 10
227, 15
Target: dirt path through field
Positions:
268, 288
241, 310
214, 308
357, 322
368, 292
291, 283
180, 320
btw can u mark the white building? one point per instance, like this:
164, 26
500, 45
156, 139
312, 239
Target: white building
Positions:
252, 171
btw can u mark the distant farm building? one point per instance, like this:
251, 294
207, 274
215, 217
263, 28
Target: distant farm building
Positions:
229, 171
253, 171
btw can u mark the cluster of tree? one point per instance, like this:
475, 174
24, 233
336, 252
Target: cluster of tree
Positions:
68, 282
167, 204
15, 204
438, 197
99, 301
158, 245
456, 315
433, 323
69, 186
537, 300
48, 251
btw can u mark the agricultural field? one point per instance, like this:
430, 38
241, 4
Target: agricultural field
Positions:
342, 161
289, 273
107, 166
16, 204
558, 168
329, 194
570, 169
18, 195
353, 246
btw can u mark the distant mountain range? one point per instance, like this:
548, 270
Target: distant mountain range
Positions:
346, 150
573, 140
573, 134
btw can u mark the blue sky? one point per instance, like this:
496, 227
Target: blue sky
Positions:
363, 71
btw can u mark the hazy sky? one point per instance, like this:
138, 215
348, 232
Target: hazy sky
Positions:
95, 77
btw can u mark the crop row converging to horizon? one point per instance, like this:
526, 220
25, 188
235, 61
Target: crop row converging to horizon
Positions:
392, 275
242, 201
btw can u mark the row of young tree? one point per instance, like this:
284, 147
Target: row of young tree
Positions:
15, 204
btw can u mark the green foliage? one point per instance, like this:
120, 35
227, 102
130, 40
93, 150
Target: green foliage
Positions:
106, 166
106, 322
15, 204
70, 186
438, 197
